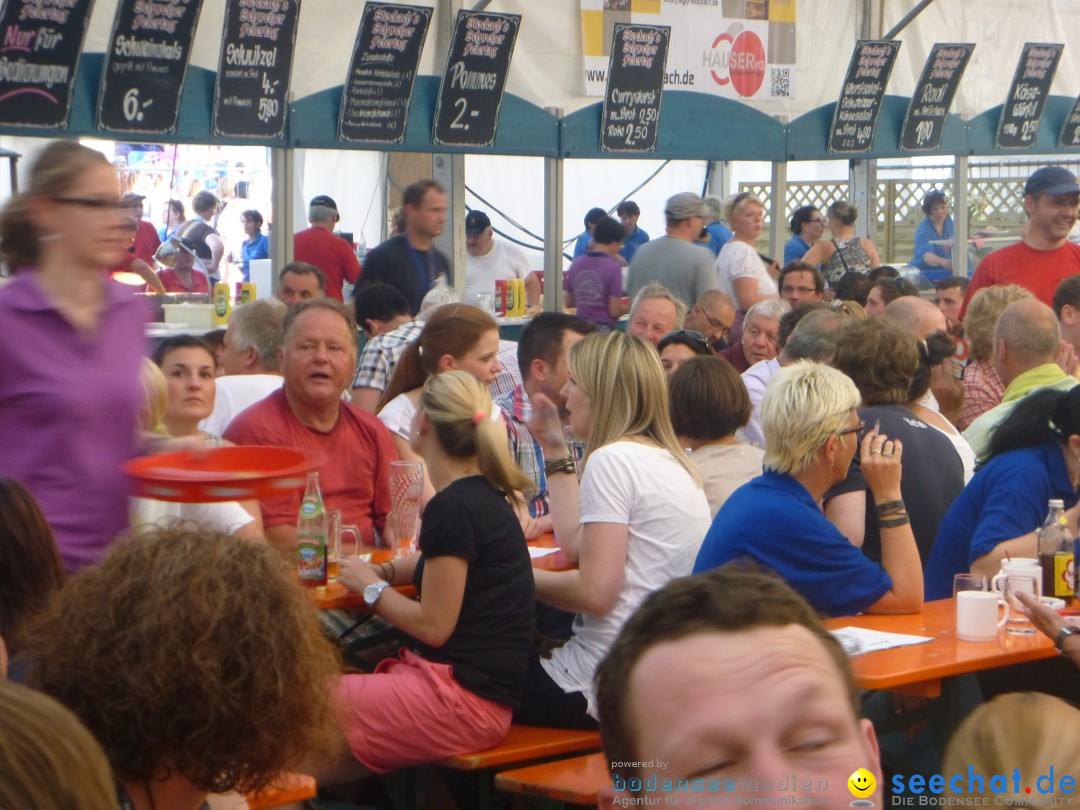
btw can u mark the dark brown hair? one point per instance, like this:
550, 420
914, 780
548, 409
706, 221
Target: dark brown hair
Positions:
30, 565
880, 358
451, 329
57, 169
186, 652
708, 399
729, 599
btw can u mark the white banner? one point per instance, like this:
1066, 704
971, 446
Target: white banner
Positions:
740, 50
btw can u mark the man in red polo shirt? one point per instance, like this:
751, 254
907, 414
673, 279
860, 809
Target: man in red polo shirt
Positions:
146, 235
320, 246
1044, 257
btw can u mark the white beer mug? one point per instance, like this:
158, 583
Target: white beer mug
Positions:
977, 615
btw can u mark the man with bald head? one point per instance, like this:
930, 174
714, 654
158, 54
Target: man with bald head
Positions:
1027, 340
713, 314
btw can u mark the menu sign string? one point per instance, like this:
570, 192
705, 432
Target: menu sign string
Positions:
252, 88
145, 65
39, 56
924, 123
1070, 130
856, 112
471, 92
635, 88
1023, 107
375, 102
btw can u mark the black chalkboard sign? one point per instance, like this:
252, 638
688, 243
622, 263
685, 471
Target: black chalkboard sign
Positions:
145, 65
375, 103
1070, 130
856, 112
39, 56
924, 123
471, 92
1023, 107
251, 93
635, 87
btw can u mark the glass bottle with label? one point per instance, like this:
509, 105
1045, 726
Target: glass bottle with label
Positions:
311, 531
1056, 552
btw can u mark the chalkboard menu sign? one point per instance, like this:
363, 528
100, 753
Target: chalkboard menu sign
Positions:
145, 65
856, 113
1023, 108
924, 123
635, 86
251, 93
375, 104
38, 60
471, 92
1070, 130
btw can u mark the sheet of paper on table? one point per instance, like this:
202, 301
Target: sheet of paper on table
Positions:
859, 640
535, 552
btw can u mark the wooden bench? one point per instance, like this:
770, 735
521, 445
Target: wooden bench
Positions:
565, 781
521, 745
291, 787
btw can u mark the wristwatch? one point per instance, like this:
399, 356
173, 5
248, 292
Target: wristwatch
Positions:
1062, 634
373, 591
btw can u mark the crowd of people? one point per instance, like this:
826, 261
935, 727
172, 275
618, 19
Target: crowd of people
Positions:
761, 445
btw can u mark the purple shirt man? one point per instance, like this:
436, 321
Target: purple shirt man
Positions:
594, 278
69, 406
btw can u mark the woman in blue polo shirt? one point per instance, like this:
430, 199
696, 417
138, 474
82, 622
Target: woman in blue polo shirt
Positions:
933, 255
811, 432
1034, 456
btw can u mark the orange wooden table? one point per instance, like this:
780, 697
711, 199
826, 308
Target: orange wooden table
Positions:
335, 596
918, 669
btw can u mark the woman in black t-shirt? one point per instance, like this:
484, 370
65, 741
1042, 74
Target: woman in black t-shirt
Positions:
454, 688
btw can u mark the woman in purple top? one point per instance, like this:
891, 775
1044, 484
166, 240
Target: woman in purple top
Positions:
70, 342
594, 283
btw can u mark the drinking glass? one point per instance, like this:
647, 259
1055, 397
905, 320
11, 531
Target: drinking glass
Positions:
969, 582
1019, 624
336, 548
406, 489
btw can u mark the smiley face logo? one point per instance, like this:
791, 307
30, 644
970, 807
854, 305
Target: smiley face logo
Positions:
861, 783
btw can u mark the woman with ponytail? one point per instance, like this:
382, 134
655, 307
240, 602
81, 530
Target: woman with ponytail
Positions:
1034, 456
455, 336
458, 678
71, 343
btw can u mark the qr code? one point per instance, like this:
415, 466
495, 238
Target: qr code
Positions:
780, 82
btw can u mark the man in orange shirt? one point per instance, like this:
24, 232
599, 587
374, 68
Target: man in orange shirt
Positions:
1044, 257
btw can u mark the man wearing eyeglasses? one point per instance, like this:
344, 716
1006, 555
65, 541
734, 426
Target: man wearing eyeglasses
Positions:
712, 315
799, 281
807, 226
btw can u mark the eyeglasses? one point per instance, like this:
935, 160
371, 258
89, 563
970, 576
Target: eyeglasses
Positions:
716, 324
800, 290
819, 219
94, 204
858, 427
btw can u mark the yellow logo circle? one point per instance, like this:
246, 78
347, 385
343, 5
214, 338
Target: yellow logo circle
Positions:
861, 783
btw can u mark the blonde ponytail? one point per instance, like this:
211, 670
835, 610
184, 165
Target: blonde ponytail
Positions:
459, 407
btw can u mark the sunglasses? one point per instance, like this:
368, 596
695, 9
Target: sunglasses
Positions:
693, 334
97, 205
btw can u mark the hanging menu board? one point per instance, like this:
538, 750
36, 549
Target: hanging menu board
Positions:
635, 87
38, 60
145, 65
1070, 130
924, 123
375, 102
471, 92
1023, 107
855, 116
252, 89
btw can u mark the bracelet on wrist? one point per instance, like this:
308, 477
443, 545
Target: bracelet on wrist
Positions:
893, 522
888, 507
563, 464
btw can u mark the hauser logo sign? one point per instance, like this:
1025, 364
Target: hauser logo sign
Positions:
737, 57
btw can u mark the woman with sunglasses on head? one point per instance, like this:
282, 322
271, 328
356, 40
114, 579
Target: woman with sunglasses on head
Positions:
681, 345
635, 521
72, 342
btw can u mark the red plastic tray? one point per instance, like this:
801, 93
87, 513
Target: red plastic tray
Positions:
220, 473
